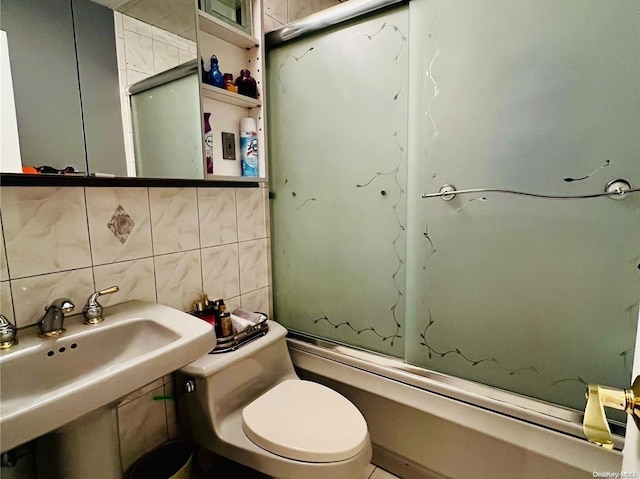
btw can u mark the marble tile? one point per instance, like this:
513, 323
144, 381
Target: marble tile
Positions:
134, 76
298, 9
6, 303
253, 265
257, 300
31, 295
164, 36
121, 57
142, 426
233, 303
165, 56
118, 24
136, 26
4, 270
119, 224
136, 280
271, 24
220, 271
250, 207
174, 219
217, 214
138, 50
179, 279
125, 110
45, 230
277, 9
186, 45
185, 56
324, 4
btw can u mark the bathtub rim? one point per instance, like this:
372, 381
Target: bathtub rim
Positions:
550, 416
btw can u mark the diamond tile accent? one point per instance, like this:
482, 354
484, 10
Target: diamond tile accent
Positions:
121, 224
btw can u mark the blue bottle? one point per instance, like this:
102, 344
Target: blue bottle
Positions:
216, 78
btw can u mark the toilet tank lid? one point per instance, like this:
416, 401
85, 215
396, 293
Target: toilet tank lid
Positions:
305, 421
212, 363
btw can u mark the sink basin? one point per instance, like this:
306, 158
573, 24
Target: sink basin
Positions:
47, 383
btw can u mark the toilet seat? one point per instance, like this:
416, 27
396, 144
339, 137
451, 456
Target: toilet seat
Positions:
305, 421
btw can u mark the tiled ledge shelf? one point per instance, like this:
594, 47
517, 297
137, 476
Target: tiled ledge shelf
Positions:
16, 179
225, 96
218, 28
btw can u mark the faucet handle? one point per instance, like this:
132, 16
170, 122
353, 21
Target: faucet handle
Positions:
595, 425
92, 311
8, 333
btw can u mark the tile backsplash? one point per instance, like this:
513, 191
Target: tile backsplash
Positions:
166, 245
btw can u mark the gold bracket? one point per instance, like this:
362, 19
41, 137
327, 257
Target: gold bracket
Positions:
595, 425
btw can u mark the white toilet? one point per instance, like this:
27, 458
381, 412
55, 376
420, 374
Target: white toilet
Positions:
250, 406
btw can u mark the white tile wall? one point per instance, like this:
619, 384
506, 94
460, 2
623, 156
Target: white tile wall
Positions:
277, 13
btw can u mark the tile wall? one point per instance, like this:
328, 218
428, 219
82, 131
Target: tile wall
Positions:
167, 245
277, 13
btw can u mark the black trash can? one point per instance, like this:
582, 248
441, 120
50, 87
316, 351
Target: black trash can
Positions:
171, 460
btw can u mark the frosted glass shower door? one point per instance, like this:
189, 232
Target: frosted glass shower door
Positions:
534, 296
337, 153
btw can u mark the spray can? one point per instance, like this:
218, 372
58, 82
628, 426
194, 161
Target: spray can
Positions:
249, 147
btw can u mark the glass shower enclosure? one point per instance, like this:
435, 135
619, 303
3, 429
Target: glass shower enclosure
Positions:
532, 294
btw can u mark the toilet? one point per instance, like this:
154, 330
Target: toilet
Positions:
250, 406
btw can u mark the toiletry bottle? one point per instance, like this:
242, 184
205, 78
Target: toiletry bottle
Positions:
248, 147
215, 75
208, 143
204, 314
228, 82
198, 308
247, 84
224, 319
226, 325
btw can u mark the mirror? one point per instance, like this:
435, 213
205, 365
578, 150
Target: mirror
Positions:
68, 80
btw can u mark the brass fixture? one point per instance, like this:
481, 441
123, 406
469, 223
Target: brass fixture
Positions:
595, 425
8, 333
92, 311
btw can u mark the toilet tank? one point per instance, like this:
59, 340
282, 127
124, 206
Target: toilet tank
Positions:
226, 382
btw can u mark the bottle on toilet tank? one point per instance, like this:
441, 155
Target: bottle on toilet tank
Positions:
249, 147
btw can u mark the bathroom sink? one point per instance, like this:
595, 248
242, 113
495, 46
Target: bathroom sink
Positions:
47, 383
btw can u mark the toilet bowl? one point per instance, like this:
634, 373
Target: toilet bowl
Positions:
250, 406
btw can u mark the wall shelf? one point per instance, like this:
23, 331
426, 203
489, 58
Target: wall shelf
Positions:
218, 28
215, 93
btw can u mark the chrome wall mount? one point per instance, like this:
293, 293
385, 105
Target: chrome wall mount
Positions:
615, 189
594, 424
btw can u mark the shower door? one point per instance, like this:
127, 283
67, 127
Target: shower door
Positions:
532, 295
337, 154
529, 295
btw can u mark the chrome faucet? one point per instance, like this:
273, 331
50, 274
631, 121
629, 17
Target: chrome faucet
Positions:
8, 333
92, 311
51, 323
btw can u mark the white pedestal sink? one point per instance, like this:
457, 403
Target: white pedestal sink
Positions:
69, 386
